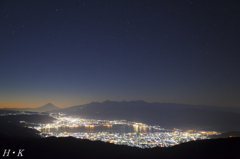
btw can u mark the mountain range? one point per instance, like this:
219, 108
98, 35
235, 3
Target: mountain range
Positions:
142, 104
167, 115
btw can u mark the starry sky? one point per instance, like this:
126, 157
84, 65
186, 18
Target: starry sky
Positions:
79, 51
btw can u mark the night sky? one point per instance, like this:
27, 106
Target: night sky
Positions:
79, 51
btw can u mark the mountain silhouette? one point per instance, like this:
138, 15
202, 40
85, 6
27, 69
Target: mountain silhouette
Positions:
45, 108
167, 115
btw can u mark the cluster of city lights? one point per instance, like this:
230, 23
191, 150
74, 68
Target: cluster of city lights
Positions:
142, 136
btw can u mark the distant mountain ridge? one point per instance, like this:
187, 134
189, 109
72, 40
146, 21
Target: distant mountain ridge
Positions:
45, 108
167, 115
156, 105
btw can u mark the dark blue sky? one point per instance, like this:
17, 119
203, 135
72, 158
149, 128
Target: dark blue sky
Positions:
75, 52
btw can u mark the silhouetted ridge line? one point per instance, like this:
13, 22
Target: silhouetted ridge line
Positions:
45, 108
167, 115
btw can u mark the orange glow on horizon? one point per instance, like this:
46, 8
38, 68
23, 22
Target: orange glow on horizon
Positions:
25, 104
19, 105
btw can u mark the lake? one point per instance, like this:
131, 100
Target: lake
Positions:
95, 129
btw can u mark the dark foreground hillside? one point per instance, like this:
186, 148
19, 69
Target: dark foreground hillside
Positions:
37, 148
11, 126
15, 136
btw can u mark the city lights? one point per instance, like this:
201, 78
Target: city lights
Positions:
139, 138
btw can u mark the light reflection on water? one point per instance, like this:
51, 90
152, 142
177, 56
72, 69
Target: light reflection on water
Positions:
95, 129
